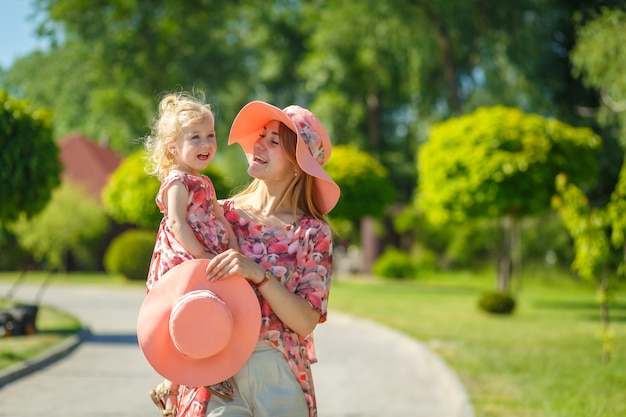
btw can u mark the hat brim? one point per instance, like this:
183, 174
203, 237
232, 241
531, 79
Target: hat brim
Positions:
245, 131
153, 326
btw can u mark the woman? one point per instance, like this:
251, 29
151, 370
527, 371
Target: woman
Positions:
285, 253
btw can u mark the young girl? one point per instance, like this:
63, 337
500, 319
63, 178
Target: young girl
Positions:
182, 143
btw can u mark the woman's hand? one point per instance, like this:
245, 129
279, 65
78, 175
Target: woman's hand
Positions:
232, 262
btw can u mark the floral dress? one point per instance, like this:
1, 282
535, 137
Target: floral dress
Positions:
169, 252
300, 256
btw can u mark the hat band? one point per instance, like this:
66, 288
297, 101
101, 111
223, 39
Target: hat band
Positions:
200, 324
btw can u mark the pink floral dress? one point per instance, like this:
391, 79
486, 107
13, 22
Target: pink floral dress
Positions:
300, 256
169, 252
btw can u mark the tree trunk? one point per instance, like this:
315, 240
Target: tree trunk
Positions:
607, 336
445, 43
504, 265
449, 70
516, 254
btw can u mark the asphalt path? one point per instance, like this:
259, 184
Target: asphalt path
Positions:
364, 369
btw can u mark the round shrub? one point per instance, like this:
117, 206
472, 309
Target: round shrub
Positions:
394, 263
496, 302
129, 254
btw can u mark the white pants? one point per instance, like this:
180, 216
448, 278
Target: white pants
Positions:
264, 387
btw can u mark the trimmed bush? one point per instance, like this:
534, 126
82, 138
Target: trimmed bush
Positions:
129, 254
394, 263
496, 302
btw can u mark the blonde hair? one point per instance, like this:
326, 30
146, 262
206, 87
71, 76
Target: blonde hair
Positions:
176, 112
301, 190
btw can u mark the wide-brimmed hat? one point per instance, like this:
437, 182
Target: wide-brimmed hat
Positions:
196, 332
313, 146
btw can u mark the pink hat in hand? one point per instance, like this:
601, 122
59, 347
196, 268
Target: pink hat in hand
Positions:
196, 332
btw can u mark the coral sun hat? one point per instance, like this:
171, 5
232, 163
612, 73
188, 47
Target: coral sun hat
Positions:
313, 147
196, 332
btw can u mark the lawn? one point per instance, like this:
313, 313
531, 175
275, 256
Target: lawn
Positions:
53, 326
543, 361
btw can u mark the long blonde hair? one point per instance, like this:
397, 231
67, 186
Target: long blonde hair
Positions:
301, 190
176, 112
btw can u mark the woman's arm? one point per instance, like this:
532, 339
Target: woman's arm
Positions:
294, 311
176, 203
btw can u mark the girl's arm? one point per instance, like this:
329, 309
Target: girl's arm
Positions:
176, 203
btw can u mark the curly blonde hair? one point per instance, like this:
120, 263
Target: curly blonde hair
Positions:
176, 112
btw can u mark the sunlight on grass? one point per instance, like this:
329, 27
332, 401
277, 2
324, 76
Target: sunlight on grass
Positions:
542, 361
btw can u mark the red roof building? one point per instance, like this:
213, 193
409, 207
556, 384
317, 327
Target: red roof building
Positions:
86, 163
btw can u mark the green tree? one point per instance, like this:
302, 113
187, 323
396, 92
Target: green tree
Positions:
88, 101
29, 161
129, 195
364, 184
52, 234
599, 58
500, 163
590, 230
366, 191
377, 72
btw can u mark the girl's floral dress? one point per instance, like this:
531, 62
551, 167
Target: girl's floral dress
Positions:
300, 256
168, 252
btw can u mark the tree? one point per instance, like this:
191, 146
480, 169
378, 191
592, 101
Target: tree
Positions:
500, 163
377, 72
364, 183
52, 234
29, 161
598, 58
88, 101
590, 229
129, 195
366, 193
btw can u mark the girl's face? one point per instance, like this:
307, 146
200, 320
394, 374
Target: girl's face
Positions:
268, 161
195, 149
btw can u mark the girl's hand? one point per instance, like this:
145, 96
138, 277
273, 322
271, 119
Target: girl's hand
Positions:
232, 262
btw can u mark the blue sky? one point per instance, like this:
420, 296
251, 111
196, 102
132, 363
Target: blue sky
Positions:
17, 32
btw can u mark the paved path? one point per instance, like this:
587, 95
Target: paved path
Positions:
364, 370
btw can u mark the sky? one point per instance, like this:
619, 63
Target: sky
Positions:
17, 32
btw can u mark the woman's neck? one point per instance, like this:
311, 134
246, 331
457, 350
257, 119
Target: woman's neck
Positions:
264, 207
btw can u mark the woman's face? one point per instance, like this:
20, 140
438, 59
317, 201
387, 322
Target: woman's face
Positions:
268, 161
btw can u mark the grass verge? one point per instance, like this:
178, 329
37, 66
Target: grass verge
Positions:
53, 326
543, 361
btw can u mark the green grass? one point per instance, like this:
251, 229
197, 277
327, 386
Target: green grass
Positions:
53, 326
543, 361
